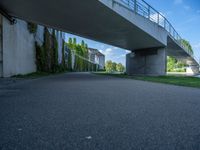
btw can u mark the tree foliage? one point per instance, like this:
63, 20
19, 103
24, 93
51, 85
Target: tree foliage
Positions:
174, 65
187, 45
81, 56
109, 66
170, 63
120, 67
113, 67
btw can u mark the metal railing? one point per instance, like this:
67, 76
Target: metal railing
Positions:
142, 8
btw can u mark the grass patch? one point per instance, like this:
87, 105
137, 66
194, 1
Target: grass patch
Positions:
34, 75
180, 80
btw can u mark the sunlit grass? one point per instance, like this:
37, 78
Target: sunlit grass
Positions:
175, 80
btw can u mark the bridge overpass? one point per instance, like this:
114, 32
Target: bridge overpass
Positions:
128, 24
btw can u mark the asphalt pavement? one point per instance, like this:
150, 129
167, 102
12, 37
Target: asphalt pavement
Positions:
83, 111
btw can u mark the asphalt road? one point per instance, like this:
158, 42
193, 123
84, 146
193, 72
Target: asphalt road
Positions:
81, 111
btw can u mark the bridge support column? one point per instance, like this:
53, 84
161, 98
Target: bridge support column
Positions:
147, 62
192, 70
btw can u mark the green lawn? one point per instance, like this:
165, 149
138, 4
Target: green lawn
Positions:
180, 80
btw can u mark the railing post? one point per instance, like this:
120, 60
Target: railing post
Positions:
135, 6
158, 18
149, 12
164, 23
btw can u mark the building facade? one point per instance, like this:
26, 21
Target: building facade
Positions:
17, 47
97, 57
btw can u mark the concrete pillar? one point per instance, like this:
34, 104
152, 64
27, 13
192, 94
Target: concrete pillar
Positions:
147, 62
192, 70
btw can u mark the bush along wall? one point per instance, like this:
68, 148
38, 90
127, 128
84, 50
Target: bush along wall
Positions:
47, 54
32, 27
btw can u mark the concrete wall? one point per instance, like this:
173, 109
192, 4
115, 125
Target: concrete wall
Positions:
146, 62
18, 49
60, 37
39, 36
1, 49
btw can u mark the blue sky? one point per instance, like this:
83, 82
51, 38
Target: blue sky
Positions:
184, 15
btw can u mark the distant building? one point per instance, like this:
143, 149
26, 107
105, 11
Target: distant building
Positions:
97, 57
101, 60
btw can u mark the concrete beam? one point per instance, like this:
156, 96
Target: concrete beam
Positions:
99, 20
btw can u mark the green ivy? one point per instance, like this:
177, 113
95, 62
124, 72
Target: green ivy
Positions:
32, 27
69, 60
63, 54
47, 50
54, 56
47, 54
40, 57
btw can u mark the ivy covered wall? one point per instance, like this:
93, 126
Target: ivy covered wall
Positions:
47, 54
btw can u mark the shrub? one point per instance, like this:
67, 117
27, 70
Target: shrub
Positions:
32, 27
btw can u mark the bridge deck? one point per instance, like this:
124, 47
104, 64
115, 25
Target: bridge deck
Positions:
104, 21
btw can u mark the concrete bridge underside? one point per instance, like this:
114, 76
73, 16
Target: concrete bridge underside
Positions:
105, 21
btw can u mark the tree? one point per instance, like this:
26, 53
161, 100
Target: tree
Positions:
187, 45
120, 67
109, 66
114, 66
81, 55
171, 63
69, 58
70, 43
55, 52
63, 54
175, 65
74, 41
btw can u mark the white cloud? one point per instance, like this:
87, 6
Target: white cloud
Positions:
107, 52
186, 7
178, 1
